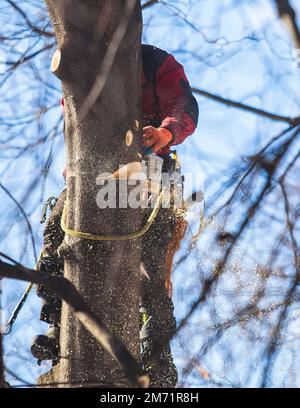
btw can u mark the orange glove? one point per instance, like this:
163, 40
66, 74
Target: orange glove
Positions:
156, 138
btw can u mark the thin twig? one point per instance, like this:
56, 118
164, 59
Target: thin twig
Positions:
228, 102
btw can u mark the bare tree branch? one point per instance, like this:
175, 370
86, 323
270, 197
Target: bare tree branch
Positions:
22, 211
279, 118
28, 22
289, 18
66, 291
149, 3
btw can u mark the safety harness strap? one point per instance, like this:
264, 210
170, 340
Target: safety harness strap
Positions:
93, 237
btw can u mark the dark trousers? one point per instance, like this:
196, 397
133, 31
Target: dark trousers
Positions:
154, 295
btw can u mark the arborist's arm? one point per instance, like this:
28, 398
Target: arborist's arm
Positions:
178, 107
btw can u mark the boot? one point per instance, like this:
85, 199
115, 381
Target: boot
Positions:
156, 356
46, 347
52, 265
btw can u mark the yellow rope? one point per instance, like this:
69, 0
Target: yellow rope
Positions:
134, 235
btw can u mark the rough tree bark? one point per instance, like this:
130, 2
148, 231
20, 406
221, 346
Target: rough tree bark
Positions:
2, 381
106, 273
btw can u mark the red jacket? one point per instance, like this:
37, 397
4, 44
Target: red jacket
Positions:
167, 99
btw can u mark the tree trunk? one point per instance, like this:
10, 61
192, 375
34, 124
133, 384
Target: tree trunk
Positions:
98, 139
2, 380
3, 383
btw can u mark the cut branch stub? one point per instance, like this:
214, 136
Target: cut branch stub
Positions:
56, 63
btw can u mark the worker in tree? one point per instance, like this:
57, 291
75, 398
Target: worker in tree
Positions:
170, 114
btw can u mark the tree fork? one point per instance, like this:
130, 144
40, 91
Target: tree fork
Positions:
109, 135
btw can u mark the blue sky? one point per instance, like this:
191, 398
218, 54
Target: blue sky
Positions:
238, 50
